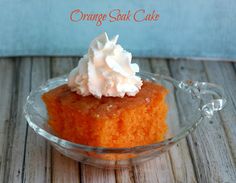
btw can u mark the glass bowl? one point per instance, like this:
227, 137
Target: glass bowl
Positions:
201, 100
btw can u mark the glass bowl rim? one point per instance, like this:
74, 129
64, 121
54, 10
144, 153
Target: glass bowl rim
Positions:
145, 75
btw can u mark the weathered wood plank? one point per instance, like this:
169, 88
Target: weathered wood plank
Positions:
17, 129
6, 81
38, 152
125, 175
62, 65
179, 154
225, 75
93, 174
234, 64
208, 143
64, 169
158, 169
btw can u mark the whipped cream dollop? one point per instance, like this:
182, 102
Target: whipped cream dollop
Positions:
106, 70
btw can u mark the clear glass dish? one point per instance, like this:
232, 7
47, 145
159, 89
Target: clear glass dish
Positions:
202, 100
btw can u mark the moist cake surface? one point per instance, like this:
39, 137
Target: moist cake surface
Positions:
109, 121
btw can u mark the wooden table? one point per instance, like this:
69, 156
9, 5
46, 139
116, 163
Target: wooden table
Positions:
206, 155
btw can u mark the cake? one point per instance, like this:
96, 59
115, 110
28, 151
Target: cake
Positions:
105, 104
108, 122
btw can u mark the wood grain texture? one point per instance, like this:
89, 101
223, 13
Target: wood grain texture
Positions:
125, 175
6, 72
155, 170
225, 75
37, 150
63, 169
234, 66
158, 169
62, 65
18, 126
179, 154
91, 174
208, 144
207, 155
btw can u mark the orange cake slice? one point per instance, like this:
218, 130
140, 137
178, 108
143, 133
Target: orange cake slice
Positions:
109, 121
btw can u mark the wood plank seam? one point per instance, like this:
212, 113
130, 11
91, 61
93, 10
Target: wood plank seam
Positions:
14, 101
221, 119
80, 175
11, 130
172, 167
27, 127
48, 153
51, 67
9, 126
188, 136
37, 154
234, 66
13, 120
217, 167
222, 115
170, 157
179, 117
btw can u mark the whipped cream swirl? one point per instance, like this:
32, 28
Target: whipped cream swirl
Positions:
105, 71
